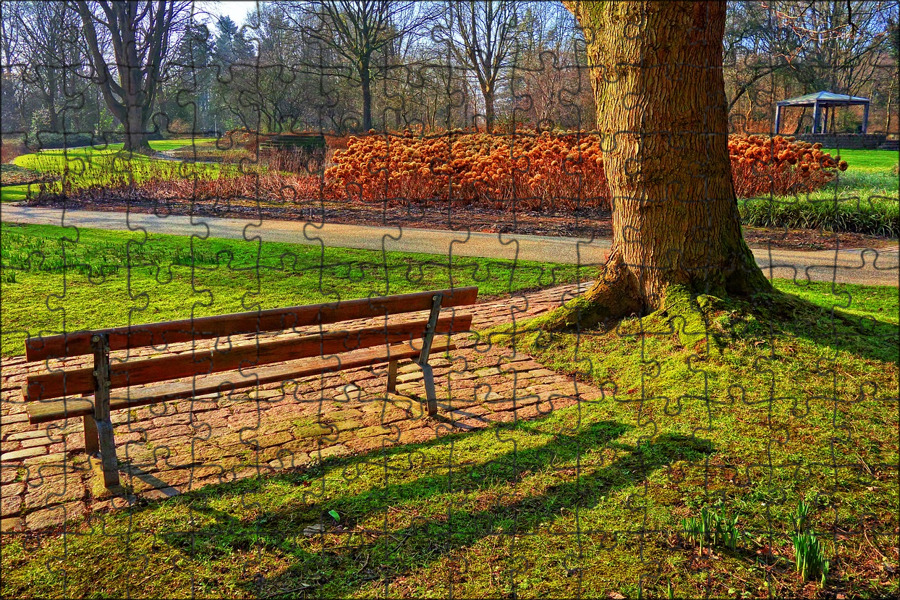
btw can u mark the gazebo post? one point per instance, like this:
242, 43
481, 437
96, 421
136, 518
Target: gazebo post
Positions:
816, 116
865, 126
777, 118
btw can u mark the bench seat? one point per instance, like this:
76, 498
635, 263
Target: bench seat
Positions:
48, 411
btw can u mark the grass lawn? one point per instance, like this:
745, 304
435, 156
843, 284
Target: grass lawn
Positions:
743, 409
104, 165
864, 199
53, 277
866, 160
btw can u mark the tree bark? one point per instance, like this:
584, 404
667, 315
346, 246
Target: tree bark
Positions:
366, 86
656, 74
487, 93
136, 137
890, 103
800, 122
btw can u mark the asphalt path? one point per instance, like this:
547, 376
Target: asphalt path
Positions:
864, 266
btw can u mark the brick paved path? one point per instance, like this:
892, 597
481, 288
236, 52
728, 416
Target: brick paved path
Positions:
173, 447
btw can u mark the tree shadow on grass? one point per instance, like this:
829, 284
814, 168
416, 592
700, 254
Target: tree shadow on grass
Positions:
346, 557
783, 312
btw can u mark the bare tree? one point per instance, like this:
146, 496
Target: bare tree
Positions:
481, 35
357, 30
140, 34
547, 78
10, 35
754, 49
832, 44
780, 48
51, 56
10, 66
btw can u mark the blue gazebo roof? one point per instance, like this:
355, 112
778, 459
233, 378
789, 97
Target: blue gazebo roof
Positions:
823, 99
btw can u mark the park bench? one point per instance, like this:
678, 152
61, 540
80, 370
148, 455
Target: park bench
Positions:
59, 392
309, 147
301, 142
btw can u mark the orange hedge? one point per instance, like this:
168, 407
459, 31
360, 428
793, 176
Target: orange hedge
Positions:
533, 171
779, 166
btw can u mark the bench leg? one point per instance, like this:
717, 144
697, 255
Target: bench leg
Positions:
392, 377
91, 438
430, 393
100, 346
108, 453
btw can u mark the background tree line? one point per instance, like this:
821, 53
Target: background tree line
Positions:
76, 69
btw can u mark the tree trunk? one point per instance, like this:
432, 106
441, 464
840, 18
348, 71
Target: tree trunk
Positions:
136, 138
488, 94
799, 122
656, 74
366, 86
139, 45
890, 102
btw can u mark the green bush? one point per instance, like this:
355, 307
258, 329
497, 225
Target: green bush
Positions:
44, 140
875, 215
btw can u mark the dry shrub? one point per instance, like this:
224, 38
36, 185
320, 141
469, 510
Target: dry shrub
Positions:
180, 127
291, 160
273, 187
532, 171
247, 189
338, 142
779, 166
9, 150
559, 170
240, 139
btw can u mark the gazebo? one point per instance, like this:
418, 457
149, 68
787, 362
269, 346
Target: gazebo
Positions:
821, 103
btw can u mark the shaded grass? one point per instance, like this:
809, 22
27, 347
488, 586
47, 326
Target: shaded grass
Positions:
744, 407
11, 174
53, 278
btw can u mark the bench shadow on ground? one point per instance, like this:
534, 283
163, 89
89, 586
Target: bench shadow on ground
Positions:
355, 557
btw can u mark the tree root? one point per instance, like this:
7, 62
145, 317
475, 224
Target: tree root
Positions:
618, 294
614, 296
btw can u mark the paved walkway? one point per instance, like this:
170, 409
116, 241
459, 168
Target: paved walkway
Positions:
866, 266
175, 447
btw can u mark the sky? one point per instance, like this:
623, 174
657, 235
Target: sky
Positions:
238, 11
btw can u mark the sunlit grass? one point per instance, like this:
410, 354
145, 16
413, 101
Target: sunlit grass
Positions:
864, 199
867, 160
88, 166
52, 277
745, 408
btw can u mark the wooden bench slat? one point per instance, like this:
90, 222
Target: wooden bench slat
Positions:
44, 412
46, 386
280, 319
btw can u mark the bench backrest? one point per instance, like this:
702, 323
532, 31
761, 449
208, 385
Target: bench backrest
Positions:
74, 381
